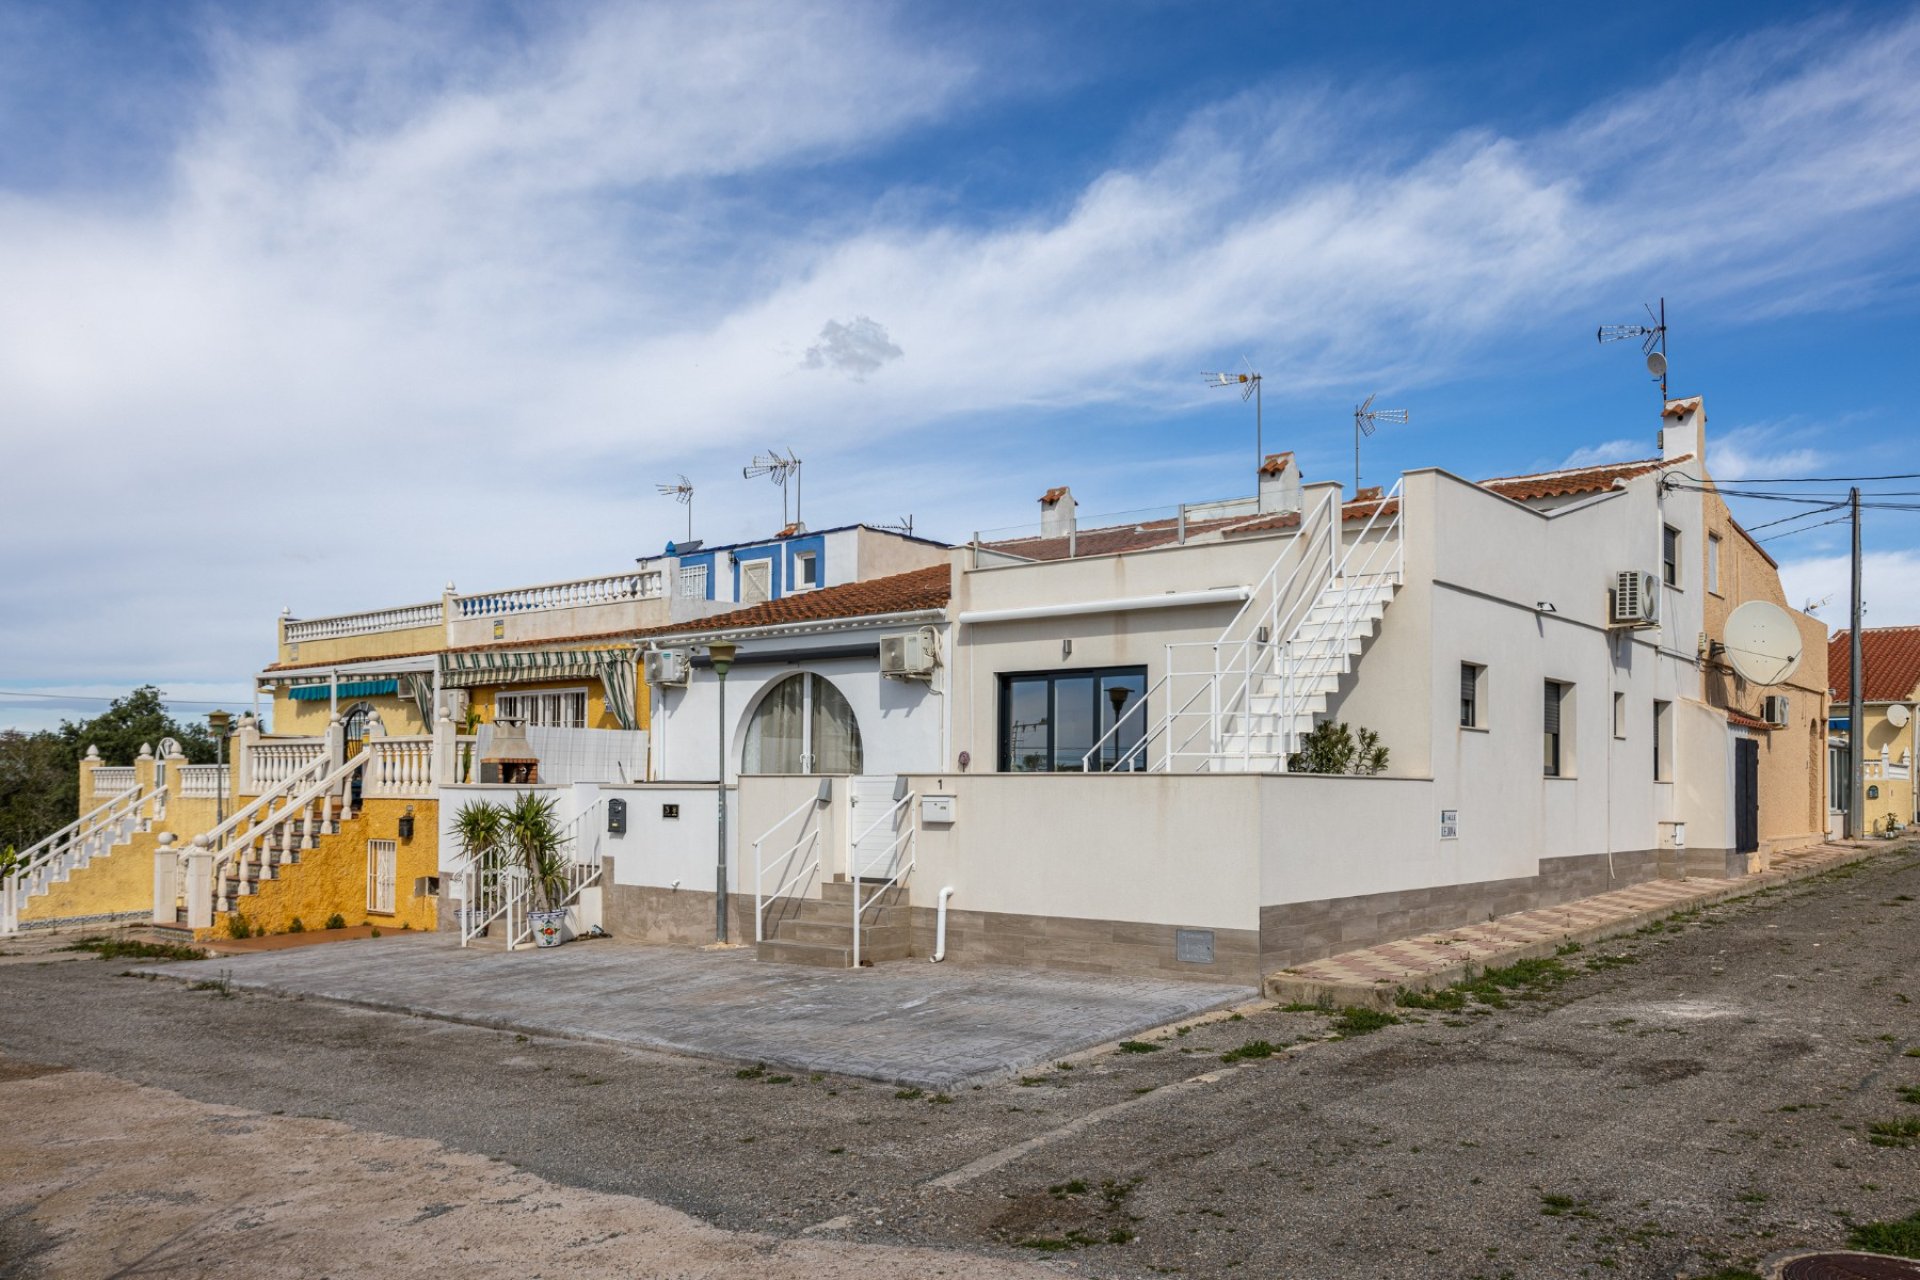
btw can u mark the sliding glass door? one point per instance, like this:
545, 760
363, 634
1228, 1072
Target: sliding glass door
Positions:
1050, 721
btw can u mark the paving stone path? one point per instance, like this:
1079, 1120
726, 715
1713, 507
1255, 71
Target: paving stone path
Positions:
1375, 974
910, 1023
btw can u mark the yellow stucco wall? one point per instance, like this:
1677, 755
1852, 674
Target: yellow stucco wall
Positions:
332, 877
309, 719
114, 883
1895, 796
598, 717
377, 644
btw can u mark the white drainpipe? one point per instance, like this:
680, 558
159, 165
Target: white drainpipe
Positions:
940, 928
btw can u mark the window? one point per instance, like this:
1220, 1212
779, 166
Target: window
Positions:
756, 582
1619, 715
806, 571
693, 582
382, 856
1555, 714
556, 709
1713, 563
1471, 677
1050, 722
1663, 741
1670, 555
802, 725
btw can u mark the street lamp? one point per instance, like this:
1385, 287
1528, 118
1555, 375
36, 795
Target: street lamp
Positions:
720, 653
220, 722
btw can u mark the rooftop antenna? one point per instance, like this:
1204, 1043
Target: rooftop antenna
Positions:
777, 467
682, 493
903, 525
1365, 419
1653, 342
1249, 384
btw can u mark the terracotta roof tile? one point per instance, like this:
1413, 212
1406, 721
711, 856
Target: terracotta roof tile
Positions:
1561, 484
1892, 659
1276, 464
1680, 408
1052, 496
1746, 721
928, 588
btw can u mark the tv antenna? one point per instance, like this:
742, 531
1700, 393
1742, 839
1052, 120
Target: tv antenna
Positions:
1249, 384
1653, 342
682, 493
777, 467
1365, 419
904, 526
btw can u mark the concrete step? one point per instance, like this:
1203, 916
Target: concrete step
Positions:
840, 893
841, 934
813, 910
826, 955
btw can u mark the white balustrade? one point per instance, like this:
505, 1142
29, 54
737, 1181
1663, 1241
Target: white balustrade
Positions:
112, 780
202, 781
400, 767
271, 762
402, 618
611, 589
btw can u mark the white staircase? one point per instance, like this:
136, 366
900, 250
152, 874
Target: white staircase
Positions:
1243, 702
53, 860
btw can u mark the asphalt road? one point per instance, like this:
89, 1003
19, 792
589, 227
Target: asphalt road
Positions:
1689, 1100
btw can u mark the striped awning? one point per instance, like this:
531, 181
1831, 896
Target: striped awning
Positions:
323, 692
525, 666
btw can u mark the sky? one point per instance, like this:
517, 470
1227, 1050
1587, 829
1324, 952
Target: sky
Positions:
324, 306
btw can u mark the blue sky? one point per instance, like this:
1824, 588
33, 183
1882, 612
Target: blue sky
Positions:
325, 306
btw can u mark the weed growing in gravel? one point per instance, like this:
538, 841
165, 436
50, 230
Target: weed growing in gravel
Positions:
941, 1099
751, 1073
1447, 998
1138, 1046
237, 926
127, 949
221, 986
1903, 1132
1900, 1237
1733, 1273
1911, 1053
779, 1079
1028, 1082
1568, 949
909, 1095
1356, 1021
1298, 1007
1558, 1206
336, 921
1250, 1051
1061, 1190
1910, 1093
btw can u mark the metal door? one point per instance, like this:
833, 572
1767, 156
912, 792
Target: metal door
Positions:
870, 839
1746, 795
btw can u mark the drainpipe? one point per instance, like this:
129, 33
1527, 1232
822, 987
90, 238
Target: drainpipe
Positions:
940, 928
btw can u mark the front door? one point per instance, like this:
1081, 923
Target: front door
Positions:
1746, 795
871, 832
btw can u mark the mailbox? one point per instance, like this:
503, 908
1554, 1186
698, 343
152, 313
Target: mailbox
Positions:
616, 817
936, 810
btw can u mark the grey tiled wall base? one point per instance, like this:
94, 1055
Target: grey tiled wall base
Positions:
1061, 944
645, 913
1300, 931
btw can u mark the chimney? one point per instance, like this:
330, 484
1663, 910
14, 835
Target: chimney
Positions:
1683, 429
1279, 484
1056, 513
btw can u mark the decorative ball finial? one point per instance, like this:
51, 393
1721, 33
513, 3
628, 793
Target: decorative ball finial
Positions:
146, 751
93, 753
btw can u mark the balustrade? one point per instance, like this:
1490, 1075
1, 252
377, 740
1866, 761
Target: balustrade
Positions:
270, 763
400, 767
646, 585
111, 780
203, 781
402, 618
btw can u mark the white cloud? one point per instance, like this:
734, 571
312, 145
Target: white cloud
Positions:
398, 287
1761, 452
1891, 581
1608, 451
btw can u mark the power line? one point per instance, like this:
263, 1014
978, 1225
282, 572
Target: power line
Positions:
1788, 533
94, 697
1798, 515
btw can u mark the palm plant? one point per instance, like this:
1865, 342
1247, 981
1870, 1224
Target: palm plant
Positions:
480, 828
536, 844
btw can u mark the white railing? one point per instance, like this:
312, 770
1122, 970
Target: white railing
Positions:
809, 842
400, 767
202, 781
494, 889
615, 587
247, 840
898, 861
111, 780
49, 861
403, 618
273, 761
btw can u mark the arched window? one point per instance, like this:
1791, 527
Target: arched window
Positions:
803, 725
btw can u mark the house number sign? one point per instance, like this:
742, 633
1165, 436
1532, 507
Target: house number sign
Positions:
1449, 824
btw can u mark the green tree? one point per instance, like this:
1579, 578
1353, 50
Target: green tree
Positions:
139, 719
1334, 748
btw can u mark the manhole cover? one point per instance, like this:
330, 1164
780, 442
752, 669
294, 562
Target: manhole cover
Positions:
1850, 1266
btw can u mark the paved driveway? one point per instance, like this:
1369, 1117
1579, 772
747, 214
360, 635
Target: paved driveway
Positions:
910, 1023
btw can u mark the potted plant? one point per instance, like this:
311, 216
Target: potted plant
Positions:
480, 828
537, 848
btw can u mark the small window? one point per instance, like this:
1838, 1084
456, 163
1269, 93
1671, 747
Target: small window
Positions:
1663, 742
1619, 715
1471, 678
1713, 563
693, 582
1670, 556
1555, 716
806, 571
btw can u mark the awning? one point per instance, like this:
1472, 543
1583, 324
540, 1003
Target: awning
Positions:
525, 666
347, 689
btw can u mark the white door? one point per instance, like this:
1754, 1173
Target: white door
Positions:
870, 852
382, 857
756, 582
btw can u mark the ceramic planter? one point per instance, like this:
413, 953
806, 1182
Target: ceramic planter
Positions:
547, 927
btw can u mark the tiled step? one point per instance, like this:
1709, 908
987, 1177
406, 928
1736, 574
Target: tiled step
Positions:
841, 934
827, 955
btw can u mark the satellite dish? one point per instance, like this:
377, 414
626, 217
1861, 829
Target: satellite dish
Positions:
1898, 715
1656, 364
1763, 642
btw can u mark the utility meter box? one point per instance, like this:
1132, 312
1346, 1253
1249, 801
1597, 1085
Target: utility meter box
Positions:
936, 811
616, 817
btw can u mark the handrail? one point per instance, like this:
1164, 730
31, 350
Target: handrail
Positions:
760, 897
233, 851
225, 829
25, 859
911, 837
1138, 747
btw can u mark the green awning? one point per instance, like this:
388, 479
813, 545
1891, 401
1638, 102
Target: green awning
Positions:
526, 666
347, 689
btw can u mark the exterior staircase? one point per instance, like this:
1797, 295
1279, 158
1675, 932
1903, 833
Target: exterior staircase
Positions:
819, 931
55, 879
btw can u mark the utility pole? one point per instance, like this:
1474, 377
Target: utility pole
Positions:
1856, 745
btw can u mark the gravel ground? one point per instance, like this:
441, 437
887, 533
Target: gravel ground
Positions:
1690, 1099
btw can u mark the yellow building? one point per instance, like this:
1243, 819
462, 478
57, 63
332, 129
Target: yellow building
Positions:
1890, 720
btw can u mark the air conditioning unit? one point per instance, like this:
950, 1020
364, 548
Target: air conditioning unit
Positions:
668, 667
1635, 599
910, 656
1776, 710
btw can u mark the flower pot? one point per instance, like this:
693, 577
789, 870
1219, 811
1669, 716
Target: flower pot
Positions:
548, 927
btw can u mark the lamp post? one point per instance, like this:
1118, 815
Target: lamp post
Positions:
220, 722
720, 653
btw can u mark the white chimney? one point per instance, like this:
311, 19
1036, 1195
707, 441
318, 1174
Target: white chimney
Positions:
1056, 513
1683, 429
1279, 484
